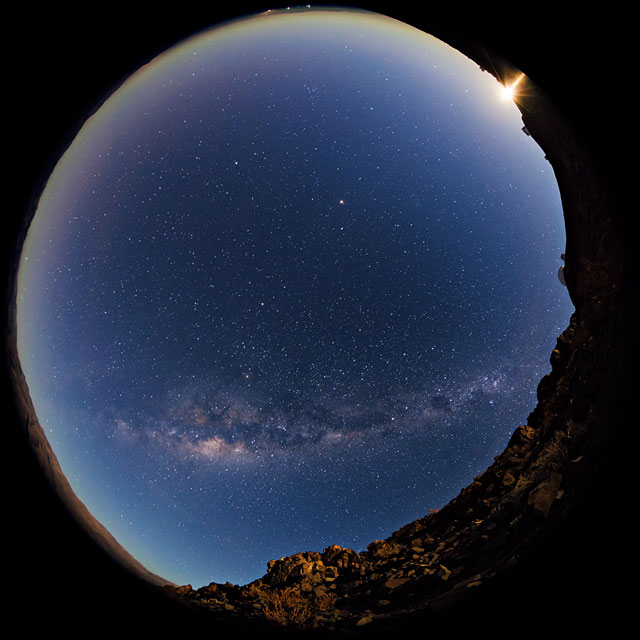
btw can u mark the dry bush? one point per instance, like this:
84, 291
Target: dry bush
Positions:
289, 607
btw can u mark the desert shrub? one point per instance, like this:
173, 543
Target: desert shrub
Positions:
291, 607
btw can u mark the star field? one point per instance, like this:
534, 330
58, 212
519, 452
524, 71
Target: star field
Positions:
293, 285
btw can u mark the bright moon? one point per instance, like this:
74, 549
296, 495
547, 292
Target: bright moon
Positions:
508, 91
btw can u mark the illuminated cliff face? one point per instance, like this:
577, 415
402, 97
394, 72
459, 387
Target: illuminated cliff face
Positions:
291, 266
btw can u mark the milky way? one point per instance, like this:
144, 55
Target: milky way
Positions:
293, 285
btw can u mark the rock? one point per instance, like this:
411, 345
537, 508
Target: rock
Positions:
521, 438
293, 567
543, 496
383, 549
443, 572
341, 558
308, 568
365, 620
394, 583
474, 580
331, 549
209, 590
330, 573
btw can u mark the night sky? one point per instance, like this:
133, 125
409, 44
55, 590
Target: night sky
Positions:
294, 284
